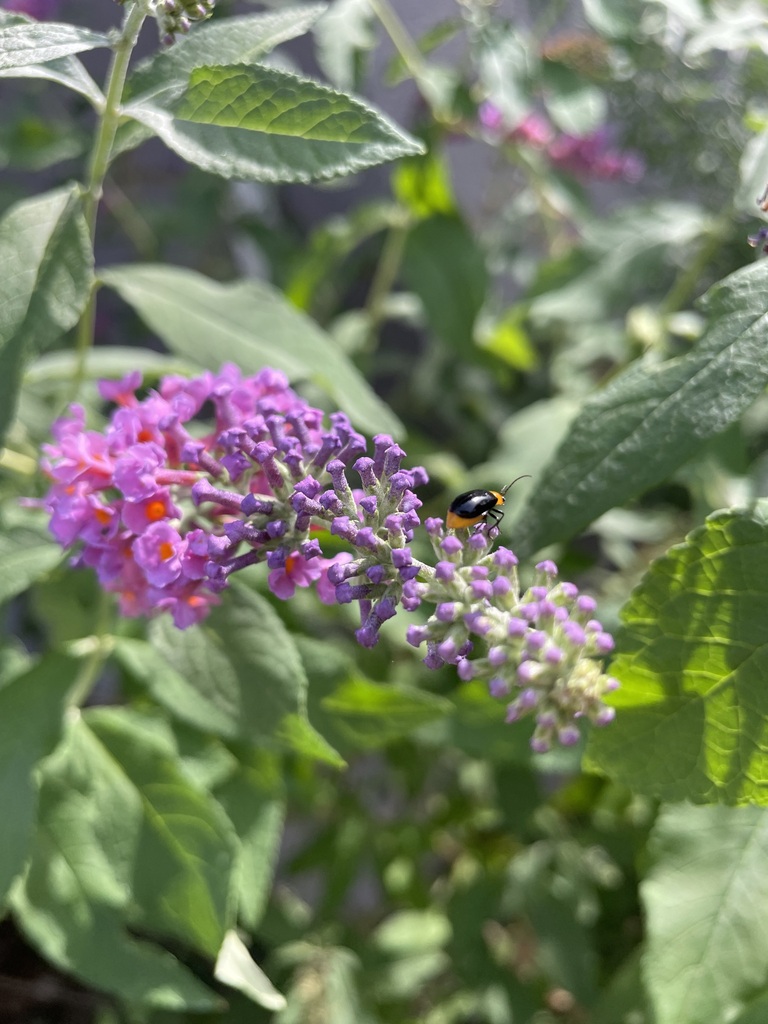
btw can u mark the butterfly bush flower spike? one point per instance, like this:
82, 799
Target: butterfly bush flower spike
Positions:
535, 648
206, 476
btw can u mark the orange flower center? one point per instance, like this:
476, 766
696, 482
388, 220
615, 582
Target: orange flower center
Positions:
154, 510
166, 551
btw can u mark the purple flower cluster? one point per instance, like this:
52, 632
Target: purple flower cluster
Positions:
591, 155
146, 501
206, 476
539, 644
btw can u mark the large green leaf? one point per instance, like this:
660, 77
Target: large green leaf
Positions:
346, 31
692, 711
31, 708
237, 40
126, 841
238, 674
652, 418
368, 714
443, 264
705, 901
26, 555
24, 42
182, 847
259, 123
254, 799
67, 71
251, 324
46, 275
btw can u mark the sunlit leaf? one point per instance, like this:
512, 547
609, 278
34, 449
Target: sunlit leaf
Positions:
249, 323
705, 898
692, 711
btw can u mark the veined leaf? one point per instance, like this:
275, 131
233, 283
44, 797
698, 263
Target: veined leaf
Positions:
66, 71
251, 324
46, 274
692, 711
651, 419
24, 42
259, 123
705, 898
31, 707
237, 40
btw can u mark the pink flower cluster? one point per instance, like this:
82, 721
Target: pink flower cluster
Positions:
130, 497
590, 155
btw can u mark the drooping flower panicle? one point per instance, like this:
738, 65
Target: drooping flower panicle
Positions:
539, 643
206, 476
166, 509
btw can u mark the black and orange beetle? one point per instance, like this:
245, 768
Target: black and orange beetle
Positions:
473, 507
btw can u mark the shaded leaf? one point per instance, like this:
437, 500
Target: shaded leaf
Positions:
66, 71
345, 31
372, 715
237, 674
444, 266
651, 418
26, 555
692, 711
249, 323
31, 708
46, 274
705, 898
254, 799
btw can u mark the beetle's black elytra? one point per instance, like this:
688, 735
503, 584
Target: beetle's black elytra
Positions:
477, 506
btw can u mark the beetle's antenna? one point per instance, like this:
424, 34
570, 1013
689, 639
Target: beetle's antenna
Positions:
525, 476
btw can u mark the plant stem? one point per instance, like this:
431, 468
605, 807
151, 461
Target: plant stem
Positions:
100, 648
385, 275
99, 161
687, 280
397, 32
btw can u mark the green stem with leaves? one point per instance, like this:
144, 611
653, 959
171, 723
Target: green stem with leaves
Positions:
100, 157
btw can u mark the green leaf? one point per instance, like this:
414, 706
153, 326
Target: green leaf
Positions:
182, 845
66, 71
259, 123
575, 106
632, 251
345, 31
46, 274
24, 42
251, 324
254, 799
443, 265
26, 555
373, 715
235, 967
423, 185
114, 362
31, 708
705, 898
615, 19
236, 40
126, 841
236, 675
692, 710
652, 418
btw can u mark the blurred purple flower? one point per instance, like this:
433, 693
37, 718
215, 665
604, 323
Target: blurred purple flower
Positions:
41, 10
